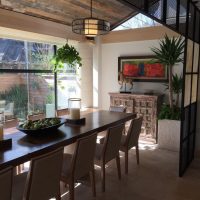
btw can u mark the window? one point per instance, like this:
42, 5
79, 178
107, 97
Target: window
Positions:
28, 82
138, 21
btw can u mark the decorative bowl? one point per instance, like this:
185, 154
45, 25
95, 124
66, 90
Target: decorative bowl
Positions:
41, 131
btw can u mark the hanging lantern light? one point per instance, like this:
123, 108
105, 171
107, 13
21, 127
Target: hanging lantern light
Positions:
90, 27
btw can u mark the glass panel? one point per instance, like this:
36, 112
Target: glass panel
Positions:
171, 13
182, 16
189, 56
191, 21
39, 55
197, 27
12, 54
14, 94
196, 57
26, 93
156, 9
187, 90
194, 88
41, 93
138, 21
68, 87
15, 54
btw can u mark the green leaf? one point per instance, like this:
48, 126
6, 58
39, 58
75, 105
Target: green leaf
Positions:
66, 54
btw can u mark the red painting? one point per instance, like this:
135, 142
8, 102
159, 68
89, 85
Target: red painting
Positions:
141, 68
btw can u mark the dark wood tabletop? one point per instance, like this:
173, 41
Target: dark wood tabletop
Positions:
26, 147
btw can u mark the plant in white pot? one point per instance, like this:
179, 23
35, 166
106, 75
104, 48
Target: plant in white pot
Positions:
170, 53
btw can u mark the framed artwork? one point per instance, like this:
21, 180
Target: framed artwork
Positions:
141, 68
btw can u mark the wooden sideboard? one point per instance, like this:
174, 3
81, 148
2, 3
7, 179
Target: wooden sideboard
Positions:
146, 105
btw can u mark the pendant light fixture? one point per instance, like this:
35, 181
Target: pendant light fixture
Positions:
90, 27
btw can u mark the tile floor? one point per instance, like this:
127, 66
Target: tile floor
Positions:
156, 178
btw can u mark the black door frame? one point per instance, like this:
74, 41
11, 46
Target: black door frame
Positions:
191, 33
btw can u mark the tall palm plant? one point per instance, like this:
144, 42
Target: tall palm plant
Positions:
170, 53
177, 83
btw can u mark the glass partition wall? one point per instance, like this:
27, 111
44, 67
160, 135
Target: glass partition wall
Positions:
183, 17
27, 83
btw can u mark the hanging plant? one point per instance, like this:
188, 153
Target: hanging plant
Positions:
66, 55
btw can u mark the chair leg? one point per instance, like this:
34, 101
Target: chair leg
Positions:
71, 189
103, 177
137, 154
92, 179
118, 166
126, 161
59, 195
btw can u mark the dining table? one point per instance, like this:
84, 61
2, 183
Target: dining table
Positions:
25, 147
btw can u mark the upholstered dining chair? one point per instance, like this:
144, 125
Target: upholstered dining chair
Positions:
101, 135
43, 179
61, 112
36, 116
80, 164
131, 140
6, 177
109, 150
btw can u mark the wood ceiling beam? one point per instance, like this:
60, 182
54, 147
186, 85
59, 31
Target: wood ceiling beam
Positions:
14, 20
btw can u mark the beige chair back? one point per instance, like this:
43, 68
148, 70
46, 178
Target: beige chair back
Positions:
62, 112
83, 159
36, 116
134, 132
117, 109
112, 142
6, 183
43, 181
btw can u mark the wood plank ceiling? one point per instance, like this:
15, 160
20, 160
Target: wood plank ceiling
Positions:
64, 11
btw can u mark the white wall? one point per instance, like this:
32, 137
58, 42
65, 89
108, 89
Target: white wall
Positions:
109, 68
86, 53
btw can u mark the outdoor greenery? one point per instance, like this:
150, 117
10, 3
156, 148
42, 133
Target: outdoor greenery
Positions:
50, 98
170, 53
19, 96
66, 55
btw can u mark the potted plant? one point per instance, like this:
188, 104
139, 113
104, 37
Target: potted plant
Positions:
66, 55
170, 53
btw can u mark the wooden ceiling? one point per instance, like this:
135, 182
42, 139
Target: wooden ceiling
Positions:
64, 11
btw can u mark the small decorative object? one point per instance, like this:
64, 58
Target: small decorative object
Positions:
74, 112
41, 127
90, 26
141, 68
4, 143
66, 55
123, 81
74, 108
